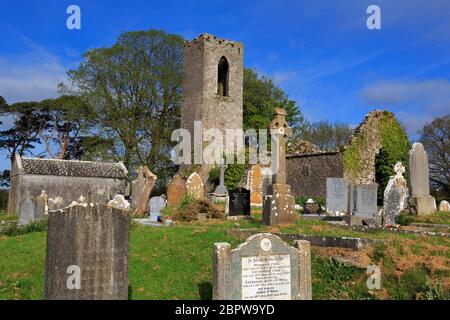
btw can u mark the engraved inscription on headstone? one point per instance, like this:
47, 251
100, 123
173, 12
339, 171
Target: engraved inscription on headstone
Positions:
266, 277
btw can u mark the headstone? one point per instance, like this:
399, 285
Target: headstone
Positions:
267, 180
255, 185
366, 200
337, 195
444, 206
119, 202
87, 253
156, 205
420, 180
143, 188
239, 202
262, 268
311, 207
279, 204
137, 186
40, 205
395, 195
194, 186
221, 190
176, 190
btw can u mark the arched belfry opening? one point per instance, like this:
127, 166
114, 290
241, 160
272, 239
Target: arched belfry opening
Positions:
222, 79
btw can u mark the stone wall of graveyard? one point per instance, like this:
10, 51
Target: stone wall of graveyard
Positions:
27, 187
307, 173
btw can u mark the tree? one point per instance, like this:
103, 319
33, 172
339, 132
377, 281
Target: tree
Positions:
66, 119
5, 178
134, 91
435, 137
261, 97
22, 137
327, 136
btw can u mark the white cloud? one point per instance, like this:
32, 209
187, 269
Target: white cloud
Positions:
31, 76
414, 102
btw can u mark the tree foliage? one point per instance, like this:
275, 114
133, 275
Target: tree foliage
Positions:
134, 91
435, 136
261, 97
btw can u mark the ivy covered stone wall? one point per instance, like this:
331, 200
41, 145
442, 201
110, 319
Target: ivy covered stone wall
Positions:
378, 143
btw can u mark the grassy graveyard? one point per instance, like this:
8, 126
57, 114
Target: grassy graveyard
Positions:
176, 262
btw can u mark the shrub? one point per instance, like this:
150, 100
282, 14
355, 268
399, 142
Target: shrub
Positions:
188, 209
404, 219
36, 226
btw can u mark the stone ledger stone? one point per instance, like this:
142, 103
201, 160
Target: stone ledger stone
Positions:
262, 268
87, 253
420, 180
337, 195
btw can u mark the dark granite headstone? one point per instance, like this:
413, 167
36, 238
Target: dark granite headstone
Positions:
239, 203
87, 253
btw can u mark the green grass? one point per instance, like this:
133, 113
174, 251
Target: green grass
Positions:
176, 262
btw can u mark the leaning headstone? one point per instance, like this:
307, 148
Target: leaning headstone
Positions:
176, 190
420, 180
194, 186
87, 253
279, 204
156, 205
262, 268
150, 180
239, 202
366, 200
255, 185
395, 195
137, 186
40, 205
337, 195
444, 206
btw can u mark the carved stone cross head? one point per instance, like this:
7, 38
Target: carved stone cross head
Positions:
280, 124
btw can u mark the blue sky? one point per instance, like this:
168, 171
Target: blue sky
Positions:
320, 52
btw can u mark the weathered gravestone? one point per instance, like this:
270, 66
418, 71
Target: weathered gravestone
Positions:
40, 208
176, 190
87, 253
239, 202
194, 186
221, 190
420, 180
255, 185
279, 204
366, 200
337, 195
267, 180
311, 207
444, 205
395, 195
143, 188
262, 268
156, 205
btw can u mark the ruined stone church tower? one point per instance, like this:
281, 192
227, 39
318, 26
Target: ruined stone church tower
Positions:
212, 84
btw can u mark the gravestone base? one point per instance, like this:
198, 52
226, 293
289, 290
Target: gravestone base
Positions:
218, 199
425, 205
279, 206
363, 221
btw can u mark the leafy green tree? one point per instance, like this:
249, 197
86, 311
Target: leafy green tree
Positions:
435, 136
67, 118
261, 97
5, 178
23, 136
134, 91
